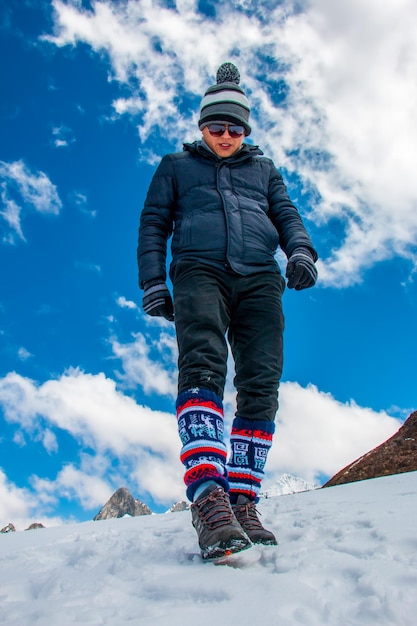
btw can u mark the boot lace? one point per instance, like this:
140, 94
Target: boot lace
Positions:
215, 510
247, 514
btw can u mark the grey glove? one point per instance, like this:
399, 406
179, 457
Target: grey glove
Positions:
301, 271
157, 300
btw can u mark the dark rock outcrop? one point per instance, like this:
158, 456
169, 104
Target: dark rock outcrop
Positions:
8, 529
395, 456
34, 526
122, 503
179, 506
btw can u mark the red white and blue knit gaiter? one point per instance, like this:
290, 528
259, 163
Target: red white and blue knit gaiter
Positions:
201, 429
250, 443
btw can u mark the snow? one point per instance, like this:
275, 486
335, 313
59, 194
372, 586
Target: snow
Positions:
347, 557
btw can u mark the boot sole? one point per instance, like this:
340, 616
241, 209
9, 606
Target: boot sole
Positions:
224, 548
262, 541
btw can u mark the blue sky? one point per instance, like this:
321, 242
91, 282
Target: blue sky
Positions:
92, 95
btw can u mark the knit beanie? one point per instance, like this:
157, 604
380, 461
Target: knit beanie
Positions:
225, 101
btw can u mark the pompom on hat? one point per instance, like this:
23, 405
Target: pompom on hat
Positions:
225, 101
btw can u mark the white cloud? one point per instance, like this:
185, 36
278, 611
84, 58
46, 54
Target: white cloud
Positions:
21, 191
11, 214
20, 507
332, 89
62, 136
149, 364
360, 85
49, 441
73, 483
23, 354
80, 201
14, 502
88, 266
316, 435
91, 409
126, 304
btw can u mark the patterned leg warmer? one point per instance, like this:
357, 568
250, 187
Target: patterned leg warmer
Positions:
200, 426
250, 443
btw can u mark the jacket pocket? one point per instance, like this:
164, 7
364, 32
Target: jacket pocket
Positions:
203, 231
258, 231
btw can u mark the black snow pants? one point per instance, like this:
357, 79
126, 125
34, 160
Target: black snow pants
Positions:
211, 304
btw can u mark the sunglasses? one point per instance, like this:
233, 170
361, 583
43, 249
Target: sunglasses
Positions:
217, 130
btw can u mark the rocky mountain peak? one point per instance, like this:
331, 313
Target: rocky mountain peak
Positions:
395, 456
178, 507
9, 528
122, 503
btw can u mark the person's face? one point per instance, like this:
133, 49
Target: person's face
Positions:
225, 145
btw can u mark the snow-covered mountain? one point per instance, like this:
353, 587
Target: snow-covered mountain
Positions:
287, 484
347, 557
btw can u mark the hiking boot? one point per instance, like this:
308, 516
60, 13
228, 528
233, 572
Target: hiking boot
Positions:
219, 533
247, 516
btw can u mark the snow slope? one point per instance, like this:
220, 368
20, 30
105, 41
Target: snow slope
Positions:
347, 557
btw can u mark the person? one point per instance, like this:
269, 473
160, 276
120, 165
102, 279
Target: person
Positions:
227, 209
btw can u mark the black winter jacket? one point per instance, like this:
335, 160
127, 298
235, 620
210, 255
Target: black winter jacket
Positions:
232, 212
